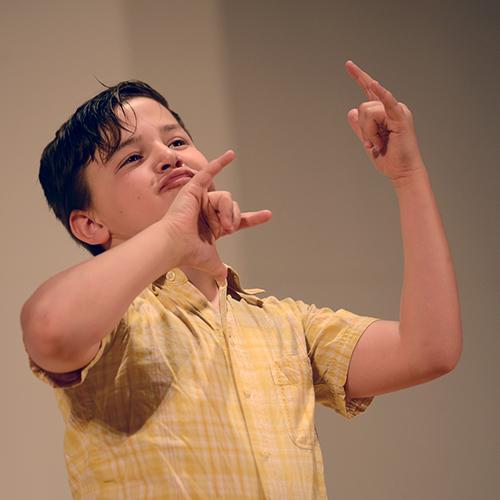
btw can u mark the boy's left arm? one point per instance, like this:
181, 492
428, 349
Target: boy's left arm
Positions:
427, 341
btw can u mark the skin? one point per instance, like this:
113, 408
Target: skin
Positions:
124, 190
133, 219
125, 197
427, 340
179, 228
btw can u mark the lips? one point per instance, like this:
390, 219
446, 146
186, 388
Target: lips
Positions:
177, 177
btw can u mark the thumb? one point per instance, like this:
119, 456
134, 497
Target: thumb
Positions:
353, 119
250, 219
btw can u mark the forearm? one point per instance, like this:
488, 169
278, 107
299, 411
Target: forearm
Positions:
430, 311
75, 309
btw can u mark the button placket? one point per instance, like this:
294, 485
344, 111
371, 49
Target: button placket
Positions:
247, 386
222, 318
243, 367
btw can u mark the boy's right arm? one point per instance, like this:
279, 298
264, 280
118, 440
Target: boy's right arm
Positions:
66, 318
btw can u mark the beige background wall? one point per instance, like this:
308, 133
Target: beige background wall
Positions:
267, 79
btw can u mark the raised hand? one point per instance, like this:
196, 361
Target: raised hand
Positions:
200, 215
385, 128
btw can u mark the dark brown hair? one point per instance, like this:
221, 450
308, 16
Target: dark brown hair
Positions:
93, 128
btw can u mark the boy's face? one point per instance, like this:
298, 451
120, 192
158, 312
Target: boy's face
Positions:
126, 191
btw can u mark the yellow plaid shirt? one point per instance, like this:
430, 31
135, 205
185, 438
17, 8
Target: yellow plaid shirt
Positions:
183, 401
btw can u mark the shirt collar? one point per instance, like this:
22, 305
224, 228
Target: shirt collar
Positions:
176, 277
236, 291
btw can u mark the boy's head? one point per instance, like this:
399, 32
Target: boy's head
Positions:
85, 148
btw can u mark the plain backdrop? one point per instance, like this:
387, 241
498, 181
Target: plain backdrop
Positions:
267, 79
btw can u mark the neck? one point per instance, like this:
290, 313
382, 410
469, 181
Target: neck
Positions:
204, 282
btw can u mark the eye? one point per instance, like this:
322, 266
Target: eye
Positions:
131, 159
177, 143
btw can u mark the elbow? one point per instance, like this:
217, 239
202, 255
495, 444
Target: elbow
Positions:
39, 338
446, 358
445, 365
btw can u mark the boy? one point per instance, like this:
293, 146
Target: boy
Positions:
173, 380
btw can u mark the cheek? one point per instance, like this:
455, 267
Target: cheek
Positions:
139, 200
134, 188
197, 161
125, 199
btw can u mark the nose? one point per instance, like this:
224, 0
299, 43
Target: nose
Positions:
168, 158
166, 166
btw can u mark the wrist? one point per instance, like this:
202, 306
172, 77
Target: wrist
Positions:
169, 244
414, 176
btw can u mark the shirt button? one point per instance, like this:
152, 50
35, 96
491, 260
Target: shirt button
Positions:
170, 276
247, 394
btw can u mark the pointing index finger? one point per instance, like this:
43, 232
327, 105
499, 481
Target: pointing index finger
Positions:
363, 79
388, 100
205, 176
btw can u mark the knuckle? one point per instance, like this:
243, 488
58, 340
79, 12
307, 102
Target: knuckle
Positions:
364, 107
226, 195
405, 109
370, 108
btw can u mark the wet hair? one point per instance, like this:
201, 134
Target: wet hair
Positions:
94, 128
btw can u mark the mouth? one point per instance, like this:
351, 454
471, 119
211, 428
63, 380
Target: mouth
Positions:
176, 178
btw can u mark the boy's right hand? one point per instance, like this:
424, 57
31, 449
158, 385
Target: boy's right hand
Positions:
199, 216
61, 336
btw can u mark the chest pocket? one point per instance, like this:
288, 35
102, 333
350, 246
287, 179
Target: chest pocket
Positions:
292, 375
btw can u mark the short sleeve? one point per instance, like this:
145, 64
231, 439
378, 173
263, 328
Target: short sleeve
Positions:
331, 337
75, 378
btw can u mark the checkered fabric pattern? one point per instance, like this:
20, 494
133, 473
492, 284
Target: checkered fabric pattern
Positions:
186, 401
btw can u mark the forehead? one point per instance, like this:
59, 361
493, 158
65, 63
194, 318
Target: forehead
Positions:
143, 110
138, 116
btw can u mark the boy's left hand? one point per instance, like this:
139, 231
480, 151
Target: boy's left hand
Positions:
385, 128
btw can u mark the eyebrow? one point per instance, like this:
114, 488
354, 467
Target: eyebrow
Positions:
133, 139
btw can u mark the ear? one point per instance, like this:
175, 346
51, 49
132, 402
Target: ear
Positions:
87, 229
